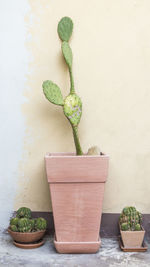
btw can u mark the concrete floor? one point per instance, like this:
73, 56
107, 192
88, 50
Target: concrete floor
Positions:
109, 255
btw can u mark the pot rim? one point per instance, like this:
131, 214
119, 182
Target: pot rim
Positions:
73, 155
132, 231
29, 233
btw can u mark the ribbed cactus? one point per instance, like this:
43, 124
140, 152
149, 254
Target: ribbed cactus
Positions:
130, 219
24, 225
40, 224
32, 223
72, 105
14, 221
13, 228
24, 212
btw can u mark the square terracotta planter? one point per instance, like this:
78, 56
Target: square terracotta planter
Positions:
77, 189
132, 239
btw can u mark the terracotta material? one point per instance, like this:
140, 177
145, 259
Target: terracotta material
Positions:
77, 247
26, 237
143, 248
67, 168
29, 246
77, 189
132, 239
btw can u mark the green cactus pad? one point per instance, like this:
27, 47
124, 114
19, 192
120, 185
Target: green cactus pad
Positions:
65, 27
67, 53
24, 212
73, 109
52, 93
14, 221
40, 224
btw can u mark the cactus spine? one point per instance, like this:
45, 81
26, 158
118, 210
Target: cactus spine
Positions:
72, 105
130, 219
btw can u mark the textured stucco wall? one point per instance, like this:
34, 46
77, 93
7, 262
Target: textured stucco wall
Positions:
14, 59
111, 48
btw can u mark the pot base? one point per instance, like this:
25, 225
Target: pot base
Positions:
77, 247
143, 248
29, 246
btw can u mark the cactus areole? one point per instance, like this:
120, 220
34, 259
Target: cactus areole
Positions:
72, 105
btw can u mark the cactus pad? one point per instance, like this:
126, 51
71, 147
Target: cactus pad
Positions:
65, 27
52, 93
67, 53
73, 109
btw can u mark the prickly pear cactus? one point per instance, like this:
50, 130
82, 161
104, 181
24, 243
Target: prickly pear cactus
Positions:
72, 105
24, 212
130, 219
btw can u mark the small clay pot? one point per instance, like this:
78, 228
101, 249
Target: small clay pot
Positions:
26, 237
132, 239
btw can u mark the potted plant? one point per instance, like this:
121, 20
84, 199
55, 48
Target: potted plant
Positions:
132, 232
76, 180
27, 232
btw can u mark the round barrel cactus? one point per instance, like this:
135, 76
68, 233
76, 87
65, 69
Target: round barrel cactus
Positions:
13, 228
24, 212
40, 224
24, 225
130, 219
14, 221
32, 223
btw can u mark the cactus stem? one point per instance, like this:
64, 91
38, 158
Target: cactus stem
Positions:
76, 140
72, 90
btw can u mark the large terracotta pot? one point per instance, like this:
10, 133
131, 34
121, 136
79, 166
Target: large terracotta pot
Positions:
77, 188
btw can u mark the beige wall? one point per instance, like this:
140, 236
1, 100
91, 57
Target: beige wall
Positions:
111, 48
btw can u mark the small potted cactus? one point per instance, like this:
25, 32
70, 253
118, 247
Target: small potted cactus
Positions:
76, 180
132, 232
25, 229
